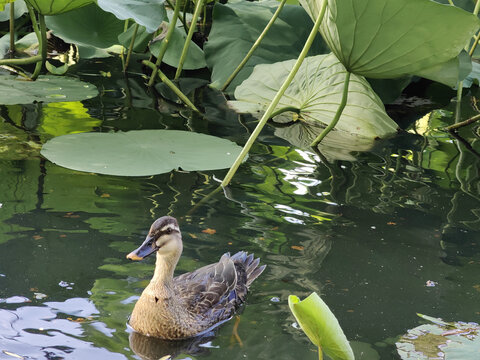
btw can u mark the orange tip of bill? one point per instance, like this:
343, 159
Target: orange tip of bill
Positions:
133, 256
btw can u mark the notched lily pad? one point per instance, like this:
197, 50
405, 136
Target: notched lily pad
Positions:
441, 340
140, 153
45, 89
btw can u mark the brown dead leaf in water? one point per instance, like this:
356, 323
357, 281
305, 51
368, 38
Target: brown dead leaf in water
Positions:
62, 235
391, 223
209, 231
71, 215
477, 287
193, 236
296, 247
105, 195
37, 237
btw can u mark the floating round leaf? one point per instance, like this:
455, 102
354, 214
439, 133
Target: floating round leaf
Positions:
45, 89
140, 153
55, 7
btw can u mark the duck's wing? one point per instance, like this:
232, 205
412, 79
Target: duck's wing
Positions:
210, 287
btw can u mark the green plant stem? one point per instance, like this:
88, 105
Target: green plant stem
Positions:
277, 97
171, 85
334, 122
42, 46
285, 109
254, 46
122, 53
33, 19
475, 43
130, 48
198, 9
12, 28
320, 353
165, 41
180, 17
462, 123
24, 61
451, 2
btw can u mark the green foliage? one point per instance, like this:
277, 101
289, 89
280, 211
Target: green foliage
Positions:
316, 92
20, 9
236, 26
55, 7
148, 13
46, 89
391, 45
321, 326
103, 27
140, 153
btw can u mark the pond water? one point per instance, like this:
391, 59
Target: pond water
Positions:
381, 238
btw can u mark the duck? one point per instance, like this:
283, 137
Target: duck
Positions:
193, 303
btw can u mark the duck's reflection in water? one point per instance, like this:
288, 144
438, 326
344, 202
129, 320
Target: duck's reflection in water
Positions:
150, 348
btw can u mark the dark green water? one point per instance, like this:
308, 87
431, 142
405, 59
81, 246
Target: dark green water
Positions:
367, 235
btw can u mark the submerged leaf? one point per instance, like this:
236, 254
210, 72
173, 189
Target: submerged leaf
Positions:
321, 326
140, 153
391, 38
316, 91
441, 340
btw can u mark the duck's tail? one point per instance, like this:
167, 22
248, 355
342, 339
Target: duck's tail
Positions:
249, 264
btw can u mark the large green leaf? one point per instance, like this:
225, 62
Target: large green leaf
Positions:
237, 26
316, 91
321, 326
88, 26
449, 72
148, 13
140, 153
391, 38
195, 58
45, 89
441, 340
55, 7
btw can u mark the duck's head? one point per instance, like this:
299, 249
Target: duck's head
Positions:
164, 238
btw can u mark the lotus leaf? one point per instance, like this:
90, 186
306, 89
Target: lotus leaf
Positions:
391, 38
440, 340
140, 153
316, 91
148, 13
55, 7
45, 89
20, 9
236, 26
89, 26
321, 326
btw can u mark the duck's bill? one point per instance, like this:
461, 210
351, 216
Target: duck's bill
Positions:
147, 248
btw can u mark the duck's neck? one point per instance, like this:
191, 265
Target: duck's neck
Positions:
164, 267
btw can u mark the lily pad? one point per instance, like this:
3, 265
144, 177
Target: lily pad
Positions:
20, 9
140, 153
236, 26
45, 89
440, 340
387, 39
55, 7
148, 13
316, 92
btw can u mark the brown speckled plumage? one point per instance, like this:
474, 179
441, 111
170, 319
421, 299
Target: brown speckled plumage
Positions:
189, 304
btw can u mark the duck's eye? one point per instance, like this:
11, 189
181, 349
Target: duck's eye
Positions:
168, 231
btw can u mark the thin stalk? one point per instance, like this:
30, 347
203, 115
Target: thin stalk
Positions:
12, 29
165, 41
42, 46
171, 85
23, 61
320, 353
285, 109
462, 123
130, 48
180, 17
334, 122
33, 19
277, 97
458, 105
477, 8
254, 46
451, 2
186, 46
122, 53
474, 45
